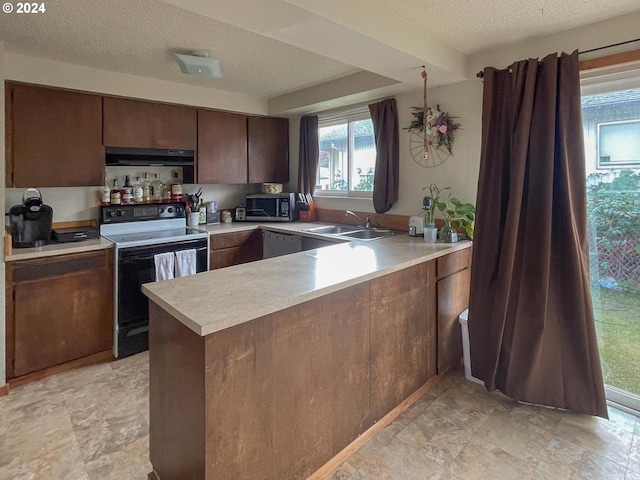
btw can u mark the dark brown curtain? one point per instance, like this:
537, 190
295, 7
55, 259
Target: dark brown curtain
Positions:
386, 179
531, 321
309, 153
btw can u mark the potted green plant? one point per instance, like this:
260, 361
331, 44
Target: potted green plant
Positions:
452, 210
432, 201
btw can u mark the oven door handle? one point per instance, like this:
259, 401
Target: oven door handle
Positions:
137, 258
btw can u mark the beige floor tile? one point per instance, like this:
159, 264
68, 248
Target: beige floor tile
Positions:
346, 471
525, 441
598, 435
583, 463
479, 460
440, 432
634, 455
387, 458
129, 462
623, 420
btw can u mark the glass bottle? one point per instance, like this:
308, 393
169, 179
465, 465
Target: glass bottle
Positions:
127, 196
146, 188
105, 194
156, 188
176, 187
448, 234
138, 192
202, 212
115, 195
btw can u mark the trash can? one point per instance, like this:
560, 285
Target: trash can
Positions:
466, 353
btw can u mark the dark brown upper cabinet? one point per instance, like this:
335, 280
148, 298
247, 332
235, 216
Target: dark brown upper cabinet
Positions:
53, 137
222, 147
139, 124
268, 155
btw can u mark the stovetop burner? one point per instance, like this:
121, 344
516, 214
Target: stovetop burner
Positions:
146, 224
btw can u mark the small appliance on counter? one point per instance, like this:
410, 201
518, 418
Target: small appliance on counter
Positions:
416, 225
74, 234
31, 221
271, 207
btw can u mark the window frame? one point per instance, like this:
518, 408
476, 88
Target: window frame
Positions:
338, 118
613, 164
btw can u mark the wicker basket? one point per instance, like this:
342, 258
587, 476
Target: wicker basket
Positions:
271, 188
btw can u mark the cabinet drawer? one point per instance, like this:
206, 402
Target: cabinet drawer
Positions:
452, 263
235, 239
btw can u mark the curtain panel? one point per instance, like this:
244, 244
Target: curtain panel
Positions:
531, 321
386, 179
309, 151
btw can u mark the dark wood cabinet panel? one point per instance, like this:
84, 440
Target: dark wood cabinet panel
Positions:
59, 309
268, 149
127, 123
175, 127
54, 137
139, 124
304, 391
403, 335
454, 262
229, 249
222, 147
453, 298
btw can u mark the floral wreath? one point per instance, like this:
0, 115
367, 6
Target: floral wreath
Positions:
440, 127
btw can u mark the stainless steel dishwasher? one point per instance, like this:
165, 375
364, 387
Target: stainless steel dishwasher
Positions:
277, 244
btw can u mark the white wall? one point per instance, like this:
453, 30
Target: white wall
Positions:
464, 100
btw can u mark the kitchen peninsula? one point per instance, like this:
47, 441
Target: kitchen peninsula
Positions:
267, 370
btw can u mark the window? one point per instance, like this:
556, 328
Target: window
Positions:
347, 154
619, 144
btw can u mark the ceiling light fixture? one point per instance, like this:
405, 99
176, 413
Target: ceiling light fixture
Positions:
199, 63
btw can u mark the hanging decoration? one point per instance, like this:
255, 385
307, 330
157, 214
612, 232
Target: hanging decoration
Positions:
432, 132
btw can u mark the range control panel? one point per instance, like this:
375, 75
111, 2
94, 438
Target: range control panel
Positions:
141, 212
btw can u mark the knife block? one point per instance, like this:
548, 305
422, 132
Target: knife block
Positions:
310, 215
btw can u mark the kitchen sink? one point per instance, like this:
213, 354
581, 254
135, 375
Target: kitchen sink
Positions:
347, 232
333, 229
368, 234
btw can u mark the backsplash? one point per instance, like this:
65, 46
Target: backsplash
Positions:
82, 203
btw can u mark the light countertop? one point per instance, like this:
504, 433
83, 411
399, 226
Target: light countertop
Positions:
212, 301
58, 249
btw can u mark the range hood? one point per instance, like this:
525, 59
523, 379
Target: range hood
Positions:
152, 157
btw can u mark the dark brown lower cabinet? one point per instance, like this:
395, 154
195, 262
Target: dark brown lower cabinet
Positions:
454, 280
229, 249
279, 396
59, 309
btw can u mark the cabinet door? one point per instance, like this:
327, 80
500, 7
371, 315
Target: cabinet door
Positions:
53, 138
268, 149
175, 127
235, 248
222, 147
453, 298
61, 310
128, 123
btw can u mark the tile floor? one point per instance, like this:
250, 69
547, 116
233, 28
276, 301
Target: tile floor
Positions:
92, 423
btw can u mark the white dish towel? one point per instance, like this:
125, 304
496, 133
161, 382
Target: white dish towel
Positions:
185, 263
164, 265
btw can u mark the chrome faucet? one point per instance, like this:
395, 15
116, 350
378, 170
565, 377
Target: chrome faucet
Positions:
366, 220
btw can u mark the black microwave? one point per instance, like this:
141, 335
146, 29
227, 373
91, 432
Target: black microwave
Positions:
271, 207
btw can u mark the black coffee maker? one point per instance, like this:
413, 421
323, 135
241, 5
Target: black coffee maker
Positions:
31, 221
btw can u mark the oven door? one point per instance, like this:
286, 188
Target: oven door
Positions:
136, 266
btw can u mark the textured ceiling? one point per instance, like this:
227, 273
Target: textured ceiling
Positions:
476, 25
259, 47
138, 38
